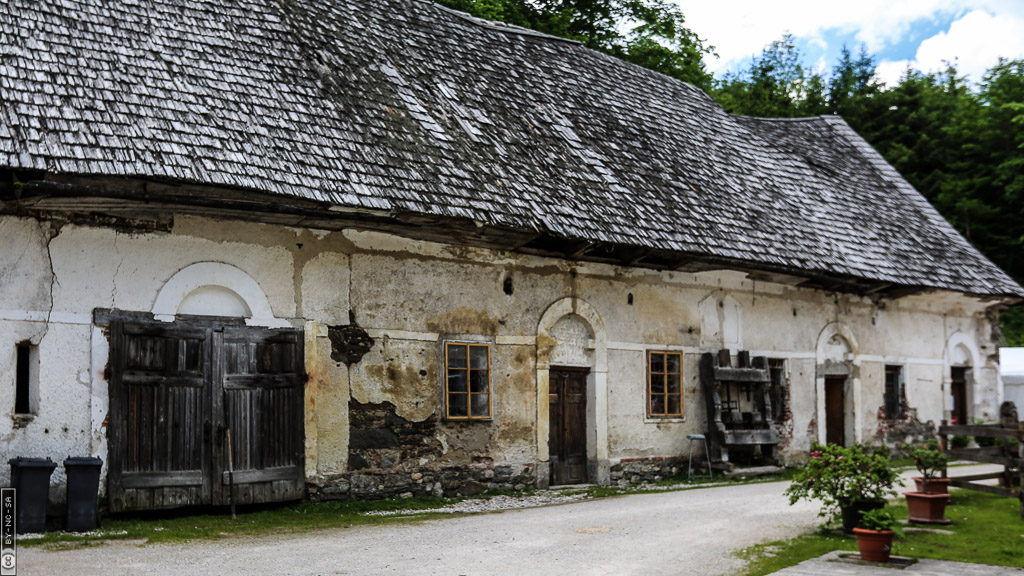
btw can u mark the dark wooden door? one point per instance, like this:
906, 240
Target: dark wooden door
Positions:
567, 433
262, 404
835, 410
176, 389
159, 426
958, 394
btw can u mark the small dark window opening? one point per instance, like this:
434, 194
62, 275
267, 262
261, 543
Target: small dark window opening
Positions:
958, 396
629, 299
507, 287
777, 389
893, 392
23, 379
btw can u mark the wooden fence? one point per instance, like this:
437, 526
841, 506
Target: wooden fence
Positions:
1007, 451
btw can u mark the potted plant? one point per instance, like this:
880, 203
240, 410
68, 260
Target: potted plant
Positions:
875, 533
928, 504
931, 463
927, 508
848, 481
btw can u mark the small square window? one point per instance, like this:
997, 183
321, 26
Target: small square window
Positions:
467, 381
665, 384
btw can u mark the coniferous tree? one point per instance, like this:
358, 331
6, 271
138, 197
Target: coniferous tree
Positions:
773, 86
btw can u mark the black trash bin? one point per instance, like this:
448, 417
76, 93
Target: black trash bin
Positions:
31, 478
83, 491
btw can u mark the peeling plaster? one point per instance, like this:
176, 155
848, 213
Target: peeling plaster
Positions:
390, 284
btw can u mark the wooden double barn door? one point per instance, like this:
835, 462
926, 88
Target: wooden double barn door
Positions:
567, 432
175, 393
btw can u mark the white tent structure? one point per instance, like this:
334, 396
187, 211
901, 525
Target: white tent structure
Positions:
1011, 372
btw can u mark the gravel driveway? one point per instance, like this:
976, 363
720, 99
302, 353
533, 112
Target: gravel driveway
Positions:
691, 532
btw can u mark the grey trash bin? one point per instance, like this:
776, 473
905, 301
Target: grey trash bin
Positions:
31, 478
83, 491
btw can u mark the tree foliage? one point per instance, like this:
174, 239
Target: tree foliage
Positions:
775, 85
649, 33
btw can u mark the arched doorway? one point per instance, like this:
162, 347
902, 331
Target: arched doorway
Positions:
838, 386
572, 424
960, 362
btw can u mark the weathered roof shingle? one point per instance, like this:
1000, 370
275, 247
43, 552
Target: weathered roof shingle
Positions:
400, 105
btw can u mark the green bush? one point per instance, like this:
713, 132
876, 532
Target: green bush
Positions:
880, 519
929, 460
838, 476
959, 441
985, 441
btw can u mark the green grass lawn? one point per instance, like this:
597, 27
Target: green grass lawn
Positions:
986, 529
185, 525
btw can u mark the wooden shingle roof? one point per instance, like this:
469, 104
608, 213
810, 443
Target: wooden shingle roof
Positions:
404, 107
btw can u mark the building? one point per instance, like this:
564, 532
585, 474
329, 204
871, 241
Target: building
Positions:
378, 248
1011, 374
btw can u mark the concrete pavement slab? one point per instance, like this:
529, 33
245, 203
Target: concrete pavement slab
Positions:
830, 565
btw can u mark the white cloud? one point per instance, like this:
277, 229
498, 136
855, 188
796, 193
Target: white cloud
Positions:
740, 29
890, 71
975, 41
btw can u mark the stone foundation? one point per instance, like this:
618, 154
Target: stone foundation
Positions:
907, 430
640, 470
451, 481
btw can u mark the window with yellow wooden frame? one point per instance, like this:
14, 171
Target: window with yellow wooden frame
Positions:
664, 384
467, 381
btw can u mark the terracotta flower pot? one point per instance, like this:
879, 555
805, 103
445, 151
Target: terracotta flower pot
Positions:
927, 508
874, 545
932, 486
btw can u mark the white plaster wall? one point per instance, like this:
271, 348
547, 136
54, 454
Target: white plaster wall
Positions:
803, 406
409, 295
99, 268
872, 379
24, 265
631, 433
96, 268
925, 392
61, 426
325, 288
397, 291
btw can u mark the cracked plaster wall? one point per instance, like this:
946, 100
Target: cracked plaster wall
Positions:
412, 295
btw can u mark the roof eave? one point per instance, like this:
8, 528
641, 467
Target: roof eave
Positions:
151, 206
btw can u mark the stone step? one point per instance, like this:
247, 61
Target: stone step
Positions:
753, 471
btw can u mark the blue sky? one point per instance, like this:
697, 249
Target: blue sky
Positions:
919, 33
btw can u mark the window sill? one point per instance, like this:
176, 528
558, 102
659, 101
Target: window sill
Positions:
664, 419
468, 420
22, 420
